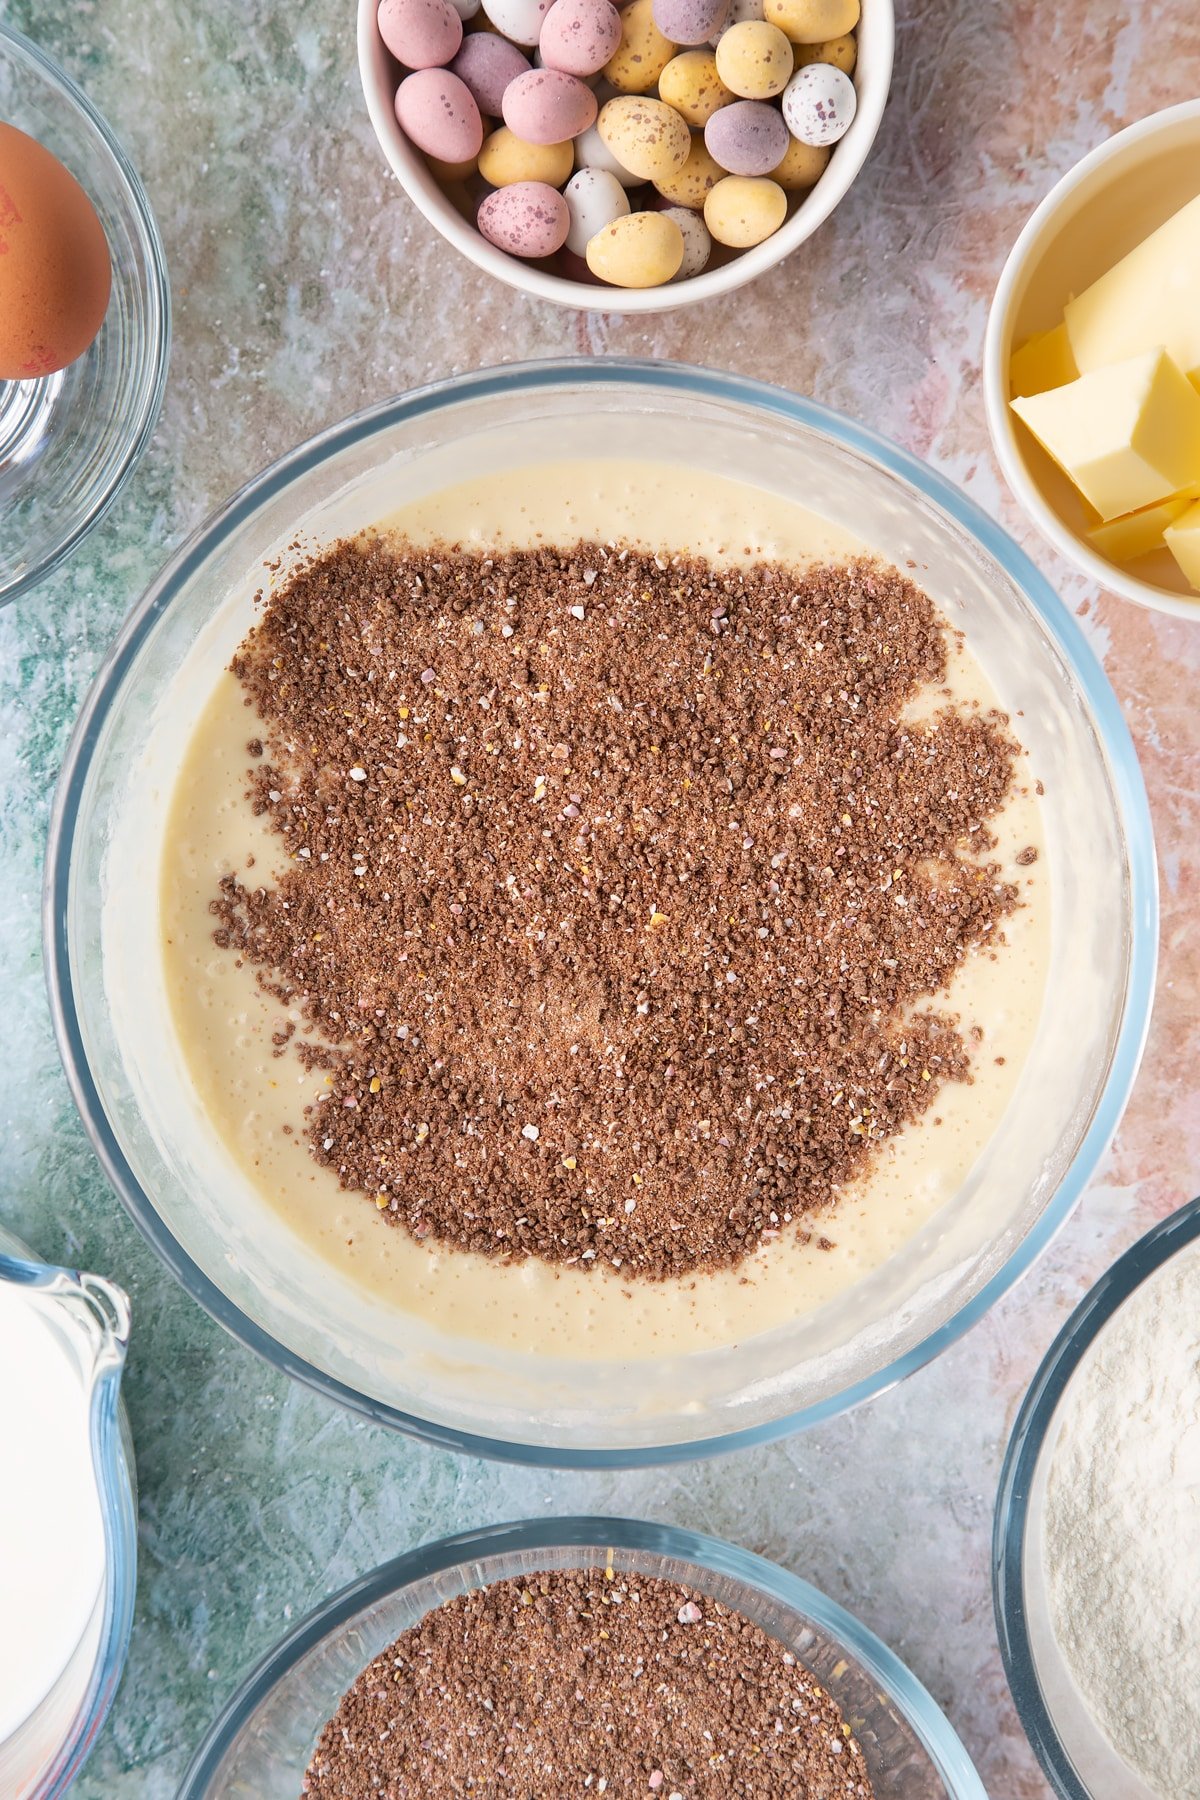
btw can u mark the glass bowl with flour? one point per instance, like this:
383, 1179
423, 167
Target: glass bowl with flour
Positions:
1097, 1540
68, 1532
172, 1046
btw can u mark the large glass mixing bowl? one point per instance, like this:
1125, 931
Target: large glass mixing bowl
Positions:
251, 1272
262, 1742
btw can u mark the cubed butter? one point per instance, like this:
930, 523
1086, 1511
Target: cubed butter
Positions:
1045, 361
1149, 300
1127, 435
1183, 541
1138, 533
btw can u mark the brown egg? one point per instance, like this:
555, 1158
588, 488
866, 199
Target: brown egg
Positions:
55, 273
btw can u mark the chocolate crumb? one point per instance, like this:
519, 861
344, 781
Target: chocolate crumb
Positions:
1027, 856
586, 1682
620, 890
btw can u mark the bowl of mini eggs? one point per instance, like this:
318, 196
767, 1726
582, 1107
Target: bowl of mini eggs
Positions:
626, 157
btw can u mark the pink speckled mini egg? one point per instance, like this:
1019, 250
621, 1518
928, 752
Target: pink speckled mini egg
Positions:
579, 36
435, 109
747, 138
548, 107
422, 34
487, 63
689, 21
527, 219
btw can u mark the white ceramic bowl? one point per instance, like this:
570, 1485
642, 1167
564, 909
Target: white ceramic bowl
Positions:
872, 78
1098, 212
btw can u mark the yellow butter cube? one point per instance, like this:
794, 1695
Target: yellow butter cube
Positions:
1183, 541
1045, 361
1138, 533
1146, 301
1127, 435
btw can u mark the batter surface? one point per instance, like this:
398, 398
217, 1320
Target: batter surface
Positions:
255, 1099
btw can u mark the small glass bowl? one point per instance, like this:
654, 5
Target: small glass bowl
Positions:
69, 441
1078, 1761
262, 1742
253, 1273
91, 1315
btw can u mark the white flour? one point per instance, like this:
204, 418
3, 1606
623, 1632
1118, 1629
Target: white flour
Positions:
1122, 1537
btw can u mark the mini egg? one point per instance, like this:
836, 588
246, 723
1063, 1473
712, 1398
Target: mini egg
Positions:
842, 52
690, 184
466, 9
690, 21
55, 270
813, 21
819, 104
741, 212
747, 138
422, 34
528, 219
487, 63
435, 109
594, 199
802, 165
643, 52
642, 251
754, 60
506, 159
547, 106
691, 85
591, 152
697, 241
646, 136
579, 36
518, 20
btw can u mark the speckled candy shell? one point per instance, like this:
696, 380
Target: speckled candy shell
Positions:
547, 106
487, 63
690, 21
422, 34
528, 219
579, 36
435, 109
747, 138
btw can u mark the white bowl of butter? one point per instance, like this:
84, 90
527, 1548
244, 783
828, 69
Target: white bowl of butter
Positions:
1094, 331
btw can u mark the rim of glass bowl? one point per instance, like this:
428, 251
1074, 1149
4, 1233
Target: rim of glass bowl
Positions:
711, 1555
678, 379
153, 383
115, 1482
1098, 1306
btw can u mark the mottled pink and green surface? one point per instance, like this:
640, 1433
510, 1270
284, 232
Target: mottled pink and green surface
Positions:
305, 285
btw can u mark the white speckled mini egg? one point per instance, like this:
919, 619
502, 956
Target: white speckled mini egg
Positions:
594, 199
697, 241
519, 20
819, 103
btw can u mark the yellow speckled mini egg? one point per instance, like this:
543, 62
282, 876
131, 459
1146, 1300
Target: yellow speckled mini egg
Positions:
743, 210
802, 165
642, 250
812, 21
691, 85
648, 137
689, 184
505, 159
754, 60
642, 54
842, 52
